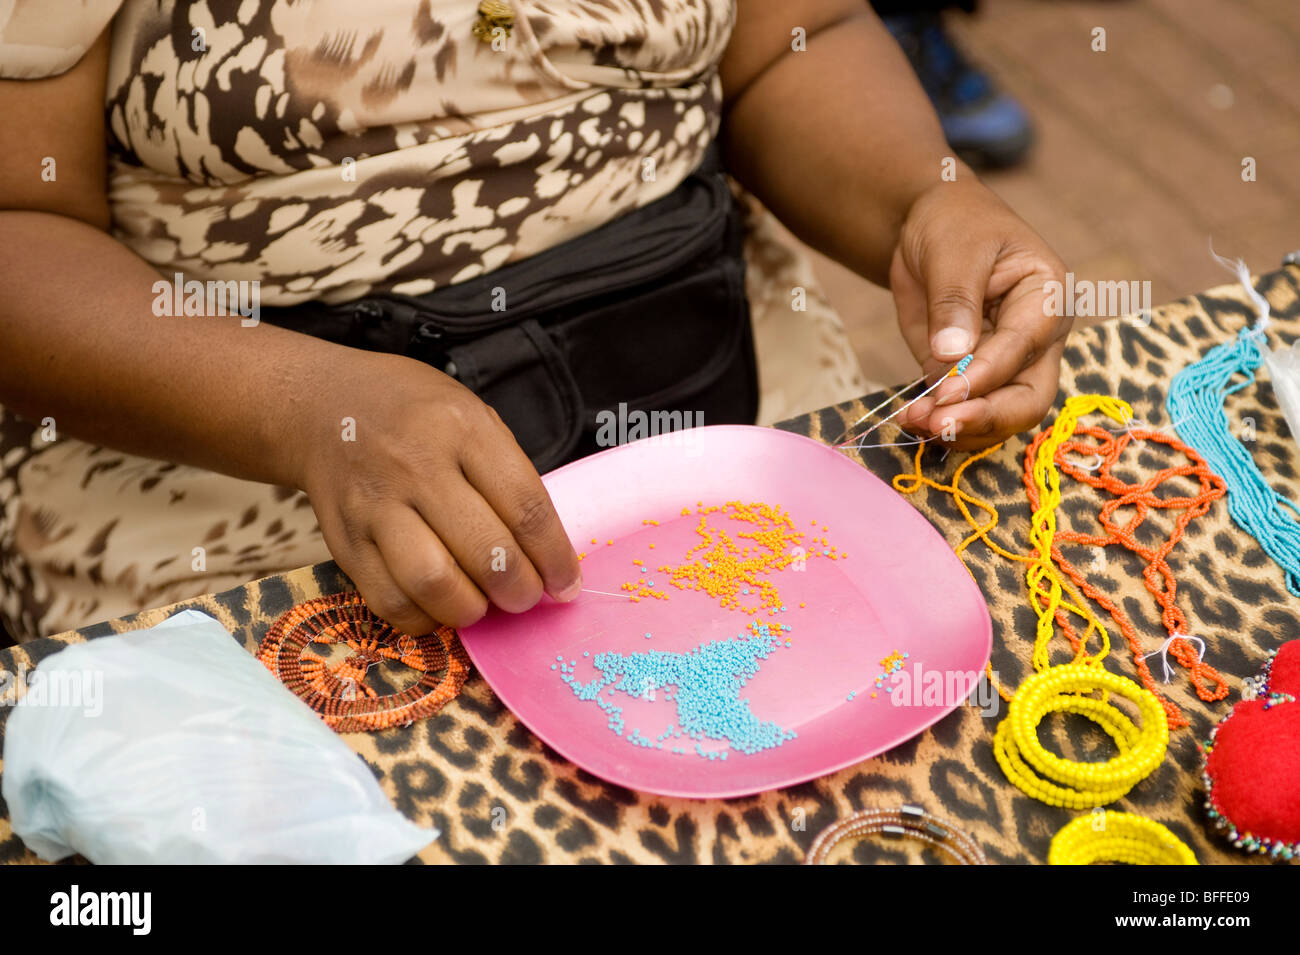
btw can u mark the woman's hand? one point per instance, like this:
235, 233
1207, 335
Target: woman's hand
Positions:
858, 176
431, 508
969, 277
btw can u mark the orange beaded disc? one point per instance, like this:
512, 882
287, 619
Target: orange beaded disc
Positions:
338, 691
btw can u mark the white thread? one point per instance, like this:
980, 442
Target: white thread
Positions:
890, 444
962, 376
1239, 268
1163, 652
1089, 468
605, 593
1129, 422
900, 391
912, 440
892, 414
1259, 329
1165, 429
1128, 429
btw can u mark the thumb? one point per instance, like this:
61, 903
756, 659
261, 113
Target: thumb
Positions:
954, 291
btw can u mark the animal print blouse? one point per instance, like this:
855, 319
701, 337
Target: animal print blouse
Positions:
333, 148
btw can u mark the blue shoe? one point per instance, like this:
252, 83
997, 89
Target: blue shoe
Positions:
985, 127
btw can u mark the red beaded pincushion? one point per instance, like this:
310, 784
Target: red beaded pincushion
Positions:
338, 691
1252, 762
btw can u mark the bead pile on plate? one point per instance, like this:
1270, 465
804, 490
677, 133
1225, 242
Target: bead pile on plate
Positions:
732, 564
733, 567
705, 685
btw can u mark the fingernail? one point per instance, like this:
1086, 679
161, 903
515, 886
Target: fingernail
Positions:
570, 592
951, 342
951, 398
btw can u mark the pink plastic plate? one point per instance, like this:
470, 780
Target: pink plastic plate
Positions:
900, 589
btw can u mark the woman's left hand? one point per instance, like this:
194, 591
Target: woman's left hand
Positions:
969, 277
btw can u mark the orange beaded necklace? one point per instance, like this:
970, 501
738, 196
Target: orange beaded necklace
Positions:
1157, 575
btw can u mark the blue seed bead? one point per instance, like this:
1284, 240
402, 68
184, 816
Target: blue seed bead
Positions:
707, 682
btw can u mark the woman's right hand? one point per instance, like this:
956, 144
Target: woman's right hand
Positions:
424, 497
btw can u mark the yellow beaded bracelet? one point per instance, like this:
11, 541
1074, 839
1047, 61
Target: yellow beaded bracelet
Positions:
1062, 782
1121, 837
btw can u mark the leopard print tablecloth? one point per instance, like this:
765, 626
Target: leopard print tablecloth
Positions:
499, 795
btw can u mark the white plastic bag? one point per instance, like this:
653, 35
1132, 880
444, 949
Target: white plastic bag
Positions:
174, 745
1284, 368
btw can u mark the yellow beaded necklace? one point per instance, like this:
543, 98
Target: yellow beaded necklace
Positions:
1120, 837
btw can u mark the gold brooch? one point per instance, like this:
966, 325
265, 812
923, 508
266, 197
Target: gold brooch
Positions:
493, 15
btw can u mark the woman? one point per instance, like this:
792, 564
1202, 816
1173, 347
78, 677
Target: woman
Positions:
329, 153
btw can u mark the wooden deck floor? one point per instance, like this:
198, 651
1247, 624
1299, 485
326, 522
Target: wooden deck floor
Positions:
1138, 161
